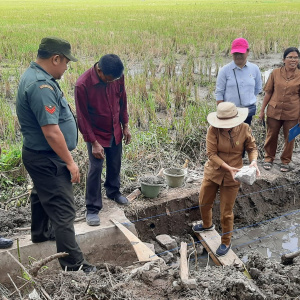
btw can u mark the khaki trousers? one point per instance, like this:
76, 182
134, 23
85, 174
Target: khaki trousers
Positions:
208, 192
273, 128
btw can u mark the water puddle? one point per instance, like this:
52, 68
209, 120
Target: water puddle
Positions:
272, 239
209, 70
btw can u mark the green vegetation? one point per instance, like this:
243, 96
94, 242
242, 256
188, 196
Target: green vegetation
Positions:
11, 168
172, 50
10, 159
140, 28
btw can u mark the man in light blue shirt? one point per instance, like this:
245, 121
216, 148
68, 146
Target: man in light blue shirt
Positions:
239, 81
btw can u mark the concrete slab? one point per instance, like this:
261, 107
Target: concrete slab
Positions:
100, 244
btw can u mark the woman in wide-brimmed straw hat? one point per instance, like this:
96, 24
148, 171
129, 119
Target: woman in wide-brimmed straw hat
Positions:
226, 139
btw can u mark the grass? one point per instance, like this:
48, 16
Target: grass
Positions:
12, 172
172, 50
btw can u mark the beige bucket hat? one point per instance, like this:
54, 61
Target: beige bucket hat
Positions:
227, 115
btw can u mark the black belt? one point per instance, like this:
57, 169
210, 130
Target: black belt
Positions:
39, 151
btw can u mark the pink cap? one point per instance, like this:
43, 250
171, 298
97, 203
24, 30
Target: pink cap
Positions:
239, 45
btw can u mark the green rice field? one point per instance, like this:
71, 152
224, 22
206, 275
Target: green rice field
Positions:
140, 29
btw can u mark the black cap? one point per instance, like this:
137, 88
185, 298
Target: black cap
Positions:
57, 45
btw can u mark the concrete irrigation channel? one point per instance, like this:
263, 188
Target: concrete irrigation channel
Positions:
264, 213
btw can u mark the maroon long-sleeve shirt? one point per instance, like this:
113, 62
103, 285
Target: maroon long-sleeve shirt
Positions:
101, 108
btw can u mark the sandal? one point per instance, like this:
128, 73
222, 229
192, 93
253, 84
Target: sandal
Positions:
285, 168
267, 165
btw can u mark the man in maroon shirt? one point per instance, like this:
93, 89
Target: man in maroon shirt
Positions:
101, 106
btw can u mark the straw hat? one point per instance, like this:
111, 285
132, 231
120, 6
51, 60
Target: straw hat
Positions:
227, 115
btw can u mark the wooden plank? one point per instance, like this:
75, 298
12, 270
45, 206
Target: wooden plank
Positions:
207, 248
142, 251
211, 240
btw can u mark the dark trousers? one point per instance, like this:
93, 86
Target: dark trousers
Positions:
52, 200
93, 197
247, 121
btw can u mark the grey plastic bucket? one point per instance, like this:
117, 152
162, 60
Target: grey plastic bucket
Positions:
175, 176
150, 190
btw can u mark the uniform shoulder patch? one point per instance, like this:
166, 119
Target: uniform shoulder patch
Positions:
46, 86
50, 109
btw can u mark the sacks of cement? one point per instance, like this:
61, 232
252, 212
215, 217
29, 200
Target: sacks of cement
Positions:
246, 175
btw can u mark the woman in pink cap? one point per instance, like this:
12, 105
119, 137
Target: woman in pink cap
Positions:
240, 80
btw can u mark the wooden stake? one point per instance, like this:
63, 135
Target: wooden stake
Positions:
133, 195
184, 269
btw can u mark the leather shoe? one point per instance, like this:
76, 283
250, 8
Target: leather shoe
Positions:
92, 219
121, 200
87, 269
200, 228
5, 243
223, 250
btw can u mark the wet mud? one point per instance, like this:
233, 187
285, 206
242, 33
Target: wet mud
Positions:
152, 180
157, 280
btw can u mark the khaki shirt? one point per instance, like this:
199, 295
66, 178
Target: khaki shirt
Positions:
219, 150
285, 100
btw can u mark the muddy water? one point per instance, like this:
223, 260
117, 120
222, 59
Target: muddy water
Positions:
209, 66
272, 239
